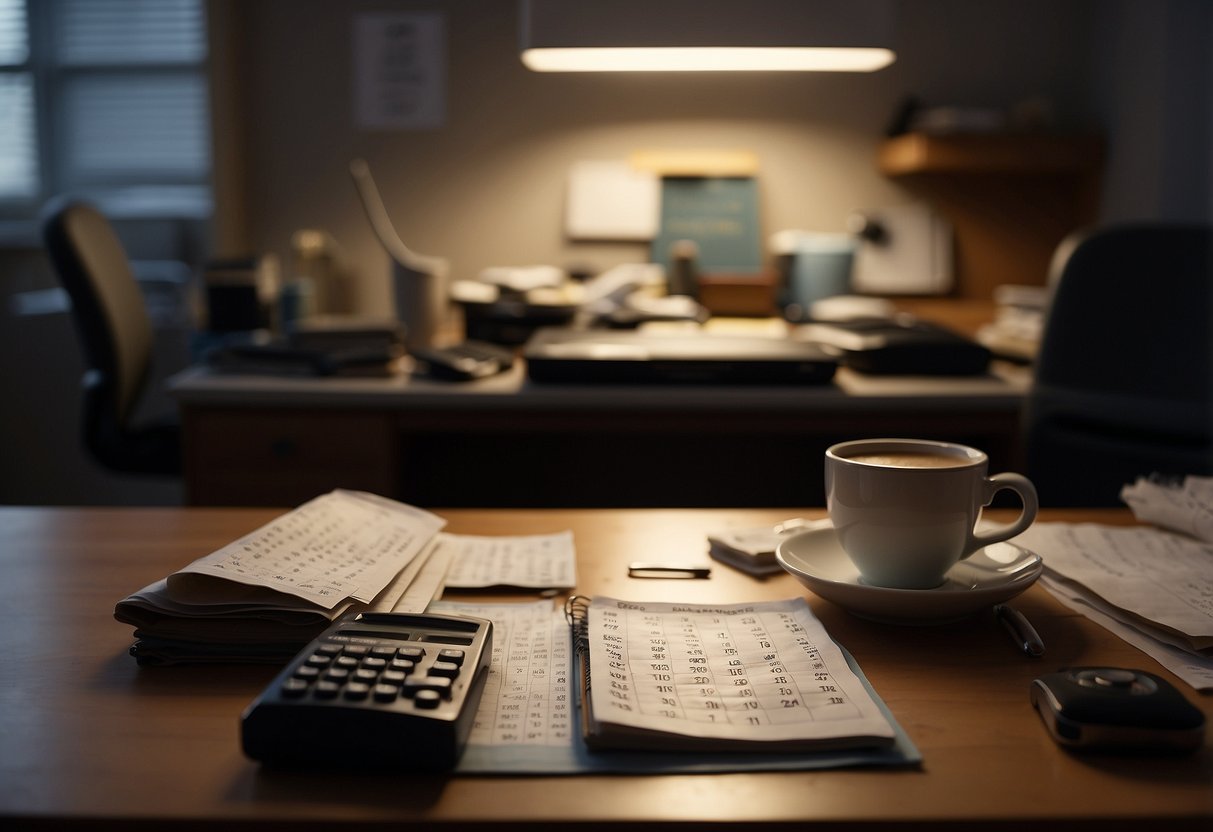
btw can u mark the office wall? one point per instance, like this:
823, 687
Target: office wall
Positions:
487, 188
1153, 91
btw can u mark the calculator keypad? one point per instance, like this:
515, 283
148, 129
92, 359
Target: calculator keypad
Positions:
382, 671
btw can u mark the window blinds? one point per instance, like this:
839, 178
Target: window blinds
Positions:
121, 88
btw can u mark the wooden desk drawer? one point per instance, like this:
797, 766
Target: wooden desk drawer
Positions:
276, 457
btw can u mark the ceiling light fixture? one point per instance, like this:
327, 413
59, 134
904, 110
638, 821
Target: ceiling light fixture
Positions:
706, 35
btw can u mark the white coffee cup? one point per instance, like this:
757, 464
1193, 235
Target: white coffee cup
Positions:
906, 510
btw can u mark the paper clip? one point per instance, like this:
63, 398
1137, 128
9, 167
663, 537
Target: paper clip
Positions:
667, 570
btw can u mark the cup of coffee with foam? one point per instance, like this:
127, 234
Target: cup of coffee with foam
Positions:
906, 510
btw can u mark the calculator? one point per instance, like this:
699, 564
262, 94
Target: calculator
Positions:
375, 690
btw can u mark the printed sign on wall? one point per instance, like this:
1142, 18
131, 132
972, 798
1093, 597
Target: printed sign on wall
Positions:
400, 71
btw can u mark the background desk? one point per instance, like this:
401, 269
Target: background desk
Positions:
258, 440
89, 740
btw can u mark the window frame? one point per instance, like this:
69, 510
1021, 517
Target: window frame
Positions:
163, 195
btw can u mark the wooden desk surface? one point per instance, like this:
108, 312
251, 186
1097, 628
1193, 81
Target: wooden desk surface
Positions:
89, 739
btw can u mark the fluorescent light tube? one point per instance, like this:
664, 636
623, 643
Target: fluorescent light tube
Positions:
707, 59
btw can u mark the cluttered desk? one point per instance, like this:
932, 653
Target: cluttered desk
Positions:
639, 372
882, 706
264, 439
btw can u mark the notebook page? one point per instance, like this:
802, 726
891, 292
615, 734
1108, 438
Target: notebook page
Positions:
750, 672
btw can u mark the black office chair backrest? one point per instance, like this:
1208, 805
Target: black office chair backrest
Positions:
1123, 383
116, 333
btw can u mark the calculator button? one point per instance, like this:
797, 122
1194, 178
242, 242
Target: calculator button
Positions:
365, 676
427, 699
294, 688
357, 690
414, 684
348, 662
329, 649
306, 672
326, 690
448, 669
452, 656
384, 651
402, 666
392, 677
318, 660
337, 674
386, 693
356, 650
374, 663
413, 654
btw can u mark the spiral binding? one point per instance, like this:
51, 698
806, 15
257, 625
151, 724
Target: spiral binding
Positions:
577, 613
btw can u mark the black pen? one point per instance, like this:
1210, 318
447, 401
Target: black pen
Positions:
1021, 630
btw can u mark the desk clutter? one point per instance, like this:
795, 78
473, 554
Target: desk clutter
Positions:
327, 345
1151, 585
743, 686
699, 213
608, 685
262, 597
707, 259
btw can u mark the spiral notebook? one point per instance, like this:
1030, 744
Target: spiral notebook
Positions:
760, 677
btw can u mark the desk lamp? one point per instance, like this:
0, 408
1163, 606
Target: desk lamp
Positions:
706, 35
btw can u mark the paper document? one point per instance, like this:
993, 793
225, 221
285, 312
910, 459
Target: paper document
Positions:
421, 582
342, 545
527, 698
1152, 588
1183, 507
1163, 578
527, 721
1193, 668
264, 596
755, 674
545, 561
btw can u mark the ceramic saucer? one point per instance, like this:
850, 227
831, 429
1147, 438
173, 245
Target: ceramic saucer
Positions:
989, 576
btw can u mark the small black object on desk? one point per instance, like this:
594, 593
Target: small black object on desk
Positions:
467, 361
1117, 709
900, 346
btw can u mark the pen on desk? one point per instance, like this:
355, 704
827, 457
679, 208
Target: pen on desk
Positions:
1021, 630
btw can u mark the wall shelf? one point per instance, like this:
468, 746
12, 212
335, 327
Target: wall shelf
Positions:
915, 153
1011, 198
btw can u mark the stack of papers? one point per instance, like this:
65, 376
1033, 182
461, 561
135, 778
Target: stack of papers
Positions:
1151, 586
264, 596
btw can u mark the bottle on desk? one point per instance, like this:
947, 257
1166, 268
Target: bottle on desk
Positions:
683, 278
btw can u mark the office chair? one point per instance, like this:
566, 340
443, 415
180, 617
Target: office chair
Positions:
116, 334
1123, 382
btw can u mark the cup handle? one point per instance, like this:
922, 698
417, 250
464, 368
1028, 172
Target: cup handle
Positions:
1027, 493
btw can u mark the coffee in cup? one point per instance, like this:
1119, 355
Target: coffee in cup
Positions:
906, 510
